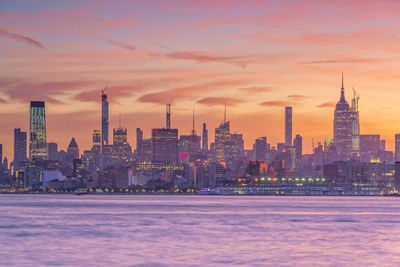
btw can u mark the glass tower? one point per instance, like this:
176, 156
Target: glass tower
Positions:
38, 143
104, 119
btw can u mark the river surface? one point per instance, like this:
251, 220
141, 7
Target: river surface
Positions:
184, 230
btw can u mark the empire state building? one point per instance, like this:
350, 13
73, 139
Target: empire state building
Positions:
346, 127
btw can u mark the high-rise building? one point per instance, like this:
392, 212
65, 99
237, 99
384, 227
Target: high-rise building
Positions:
288, 126
1, 154
261, 148
189, 146
204, 146
370, 145
222, 136
298, 145
72, 152
139, 142
38, 142
53, 150
104, 118
346, 127
96, 140
164, 145
397, 148
164, 142
20, 143
122, 149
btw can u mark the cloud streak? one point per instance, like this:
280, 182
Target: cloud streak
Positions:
217, 101
275, 103
326, 105
21, 38
118, 44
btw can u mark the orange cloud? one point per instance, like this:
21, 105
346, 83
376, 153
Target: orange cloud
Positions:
217, 101
327, 105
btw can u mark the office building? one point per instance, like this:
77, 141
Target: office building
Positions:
104, 118
288, 126
38, 141
53, 151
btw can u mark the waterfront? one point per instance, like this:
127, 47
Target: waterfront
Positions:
185, 230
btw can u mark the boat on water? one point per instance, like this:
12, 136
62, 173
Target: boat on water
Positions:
211, 191
207, 191
81, 191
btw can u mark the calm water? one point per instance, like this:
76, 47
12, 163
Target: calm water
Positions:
198, 230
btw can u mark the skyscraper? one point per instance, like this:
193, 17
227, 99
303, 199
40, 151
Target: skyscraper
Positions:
346, 127
72, 152
104, 118
164, 142
139, 142
38, 143
96, 149
298, 145
1, 154
222, 136
397, 148
261, 148
121, 148
168, 117
288, 126
164, 145
52, 148
20, 143
204, 146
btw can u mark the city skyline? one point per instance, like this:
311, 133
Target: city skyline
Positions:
149, 59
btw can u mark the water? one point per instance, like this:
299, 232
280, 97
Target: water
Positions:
149, 230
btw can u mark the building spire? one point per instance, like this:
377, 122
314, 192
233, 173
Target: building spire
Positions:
342, 98
225, 113
193, 130
168, 117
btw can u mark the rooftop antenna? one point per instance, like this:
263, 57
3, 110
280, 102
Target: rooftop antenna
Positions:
168, 116
313, 144
225, 112
193, 130
119, 120
342, 81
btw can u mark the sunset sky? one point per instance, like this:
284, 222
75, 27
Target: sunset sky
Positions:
255, 56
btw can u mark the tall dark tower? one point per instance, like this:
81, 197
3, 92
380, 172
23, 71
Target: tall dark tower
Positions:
205, 138
104, 117
168, 117
288, 126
